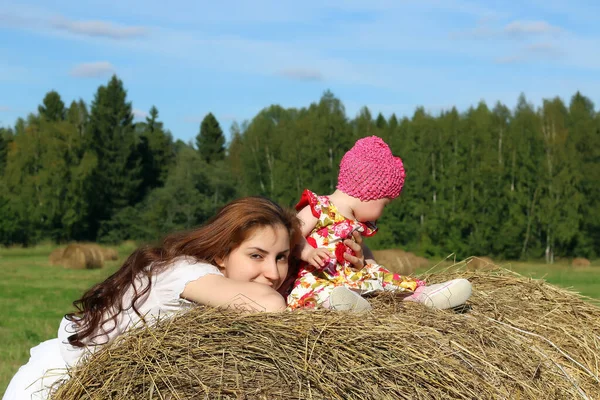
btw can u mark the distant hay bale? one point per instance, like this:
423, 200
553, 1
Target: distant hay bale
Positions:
82, 256
96, 250
580, 262
399, 261
110, 254
56, 256
477, 263
518, 339
106, 253
420, 262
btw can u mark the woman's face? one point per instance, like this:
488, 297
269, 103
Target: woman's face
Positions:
262, 257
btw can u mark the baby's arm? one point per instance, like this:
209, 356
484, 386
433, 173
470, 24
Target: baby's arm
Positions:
219, 291
315, 257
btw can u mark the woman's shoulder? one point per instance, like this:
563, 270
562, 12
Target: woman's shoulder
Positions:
170, 282
186, 266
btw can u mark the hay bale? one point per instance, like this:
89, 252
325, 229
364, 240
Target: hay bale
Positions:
521, 338
82, 256
110, 254
96, 250
105, 253
580, 262
399, 261
477, 263
56, 256
420, 262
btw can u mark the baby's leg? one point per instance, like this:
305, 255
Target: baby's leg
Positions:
343, 299
442, 295
376, 278
311, 291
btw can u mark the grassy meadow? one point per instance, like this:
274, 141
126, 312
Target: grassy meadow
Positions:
34, 296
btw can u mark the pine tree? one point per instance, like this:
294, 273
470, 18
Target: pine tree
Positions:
116, 179
363, 123
210, 141
559, 201
380, 122
156, 152
4, 139
526, 166
584, 132
78, 116
53, 108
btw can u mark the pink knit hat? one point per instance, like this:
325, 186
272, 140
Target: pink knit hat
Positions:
369, 171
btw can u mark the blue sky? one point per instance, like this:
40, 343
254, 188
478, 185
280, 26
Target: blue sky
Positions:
193, 57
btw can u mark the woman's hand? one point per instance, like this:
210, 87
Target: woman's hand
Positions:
358, 259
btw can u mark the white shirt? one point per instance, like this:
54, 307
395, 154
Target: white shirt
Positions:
162, 299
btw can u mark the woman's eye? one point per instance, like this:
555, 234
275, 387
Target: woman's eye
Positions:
255, 256
282, 257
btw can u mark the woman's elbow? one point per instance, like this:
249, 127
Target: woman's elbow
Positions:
273, 302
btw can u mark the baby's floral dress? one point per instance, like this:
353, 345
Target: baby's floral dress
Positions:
313, 285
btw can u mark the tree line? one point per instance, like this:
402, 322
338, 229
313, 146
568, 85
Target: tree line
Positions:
514, 184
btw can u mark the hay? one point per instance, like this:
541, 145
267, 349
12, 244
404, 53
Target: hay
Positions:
520, 339
477, 263
399, 261
97, 252
82, 256
580, 262
110, 254
56, 256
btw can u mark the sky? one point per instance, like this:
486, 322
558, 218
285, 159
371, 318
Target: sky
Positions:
234, 58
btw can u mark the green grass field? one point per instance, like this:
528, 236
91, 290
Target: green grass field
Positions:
34, 296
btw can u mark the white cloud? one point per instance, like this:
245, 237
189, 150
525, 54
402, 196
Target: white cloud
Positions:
139, 113
5, 109
301, 74
12, 20
533, 52
98, 28
486, 29
98, 69
544, 48
527, 28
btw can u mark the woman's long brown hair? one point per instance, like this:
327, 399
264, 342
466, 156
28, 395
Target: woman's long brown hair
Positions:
216, 239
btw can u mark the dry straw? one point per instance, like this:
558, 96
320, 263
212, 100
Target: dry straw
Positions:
399, 261
517, 339
56, 256
82, 256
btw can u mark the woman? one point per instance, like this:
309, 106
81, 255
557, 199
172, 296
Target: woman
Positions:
238, 259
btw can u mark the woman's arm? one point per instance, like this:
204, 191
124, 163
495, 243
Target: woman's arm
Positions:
362, 254
219, 291
369, 257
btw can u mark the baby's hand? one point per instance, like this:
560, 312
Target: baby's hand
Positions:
318, 257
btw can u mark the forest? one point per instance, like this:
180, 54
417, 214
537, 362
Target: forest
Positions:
520, 183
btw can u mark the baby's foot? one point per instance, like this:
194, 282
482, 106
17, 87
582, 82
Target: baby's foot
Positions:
444, 295
344, 299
